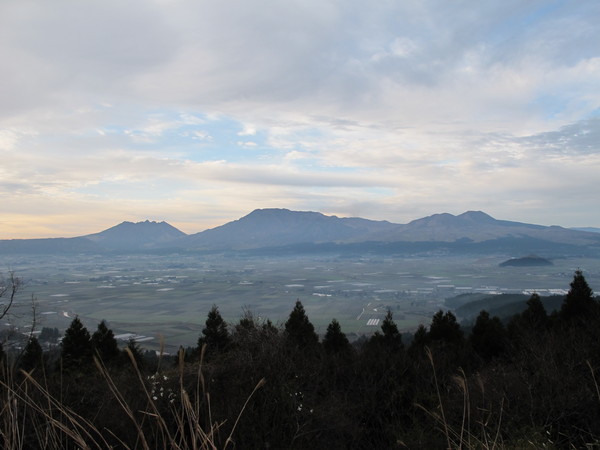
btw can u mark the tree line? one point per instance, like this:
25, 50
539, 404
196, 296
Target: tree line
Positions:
528, 382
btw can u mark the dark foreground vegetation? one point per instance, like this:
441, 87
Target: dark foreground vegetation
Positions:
528, 383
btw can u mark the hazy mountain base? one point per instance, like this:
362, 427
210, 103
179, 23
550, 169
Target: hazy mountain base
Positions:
281, 230
461, 247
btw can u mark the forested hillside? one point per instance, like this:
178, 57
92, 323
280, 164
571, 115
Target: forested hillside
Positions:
530, 382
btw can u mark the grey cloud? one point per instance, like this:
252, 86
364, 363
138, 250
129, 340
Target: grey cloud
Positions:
281, 176
390, 89
248, 59
568, 34
116, 34
11, 188
58, 50
582, 138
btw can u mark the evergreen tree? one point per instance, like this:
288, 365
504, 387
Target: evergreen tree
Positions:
269, 329
419, 342
299, 332
335, 342
49, 335
104, 343
535, 316
579, 302
247, 323
391, 336
215, 334
76, 345
384, 380
522, 327
32, 356
445, 328
136, 352
488, 337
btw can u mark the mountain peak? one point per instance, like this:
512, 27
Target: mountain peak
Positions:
447, 219
136, 234
270, 216
270, 212
476, 216
277, 226
142, 222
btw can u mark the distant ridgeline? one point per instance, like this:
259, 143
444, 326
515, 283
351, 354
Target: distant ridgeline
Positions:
273, 231
504, 306
526, 261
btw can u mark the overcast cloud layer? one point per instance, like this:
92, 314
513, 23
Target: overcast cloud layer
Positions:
198, 112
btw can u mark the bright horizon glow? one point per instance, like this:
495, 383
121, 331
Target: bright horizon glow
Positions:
192, 228
197, 113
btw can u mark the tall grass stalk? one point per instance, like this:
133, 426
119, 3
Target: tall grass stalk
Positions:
32, 415
463, 437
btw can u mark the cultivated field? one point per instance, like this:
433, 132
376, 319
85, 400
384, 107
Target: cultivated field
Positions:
169, 295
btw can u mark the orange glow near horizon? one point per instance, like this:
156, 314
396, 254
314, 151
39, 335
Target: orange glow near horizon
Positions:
44, 227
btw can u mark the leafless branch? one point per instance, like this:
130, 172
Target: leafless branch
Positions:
9, 289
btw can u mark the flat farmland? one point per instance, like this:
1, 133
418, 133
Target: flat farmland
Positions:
168, 296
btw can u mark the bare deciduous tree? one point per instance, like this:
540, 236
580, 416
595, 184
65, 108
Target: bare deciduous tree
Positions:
8, 289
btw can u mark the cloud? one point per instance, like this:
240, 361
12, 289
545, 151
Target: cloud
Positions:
249, 130
440, 62
573, 140
248, 144
8, 139
392, 109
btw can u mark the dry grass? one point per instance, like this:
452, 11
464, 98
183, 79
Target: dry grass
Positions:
31, 413
483, 434
485, 431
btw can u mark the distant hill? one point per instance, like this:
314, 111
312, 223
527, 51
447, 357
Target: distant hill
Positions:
281, 231
140, 235
125, 237
468, 306
478, 226
281, 227
272, 231
526, 261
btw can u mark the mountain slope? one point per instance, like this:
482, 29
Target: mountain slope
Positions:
478, 226
278, 227
305, 231
139, 235
126, 236
471, 231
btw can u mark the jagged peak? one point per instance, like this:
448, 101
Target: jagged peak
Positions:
274, 212
477, 215
145, 226
144, 222
268, 210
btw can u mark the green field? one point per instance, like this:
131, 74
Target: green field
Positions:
169, 296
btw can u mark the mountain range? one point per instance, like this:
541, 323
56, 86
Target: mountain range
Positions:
281, 231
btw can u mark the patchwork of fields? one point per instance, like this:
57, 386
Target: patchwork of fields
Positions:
168, 296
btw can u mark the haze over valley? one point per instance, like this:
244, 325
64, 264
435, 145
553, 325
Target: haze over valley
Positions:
151, 281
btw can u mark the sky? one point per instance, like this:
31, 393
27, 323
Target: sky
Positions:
197, 112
